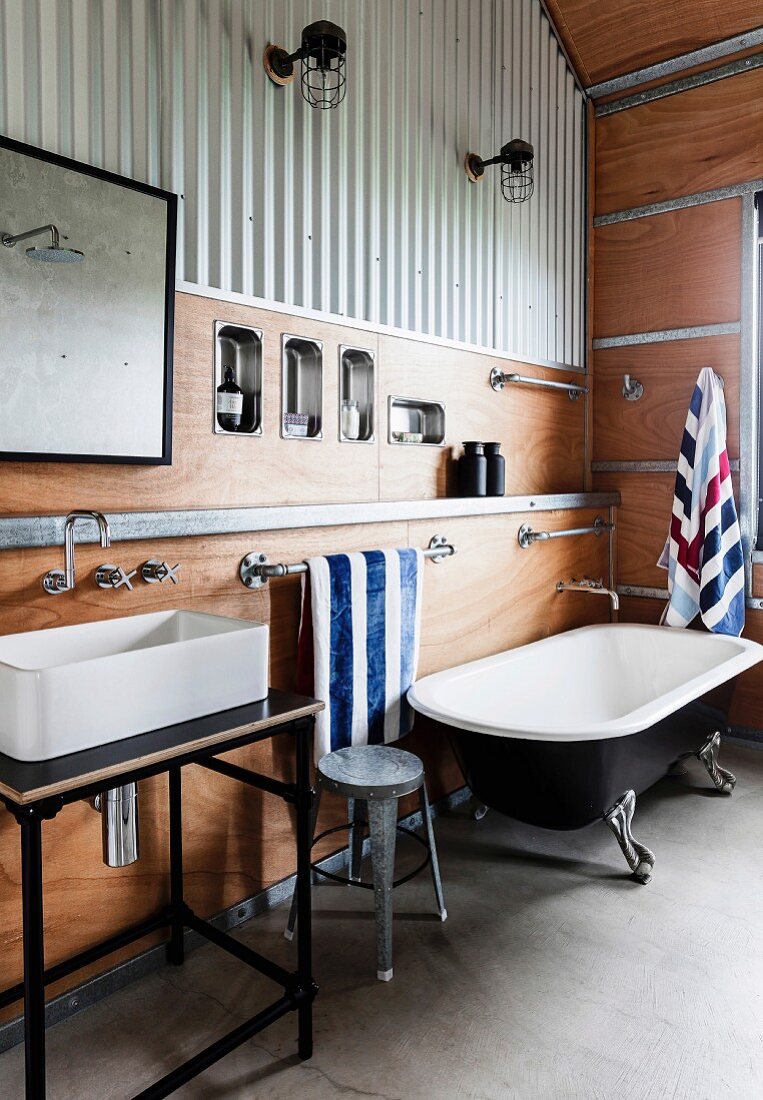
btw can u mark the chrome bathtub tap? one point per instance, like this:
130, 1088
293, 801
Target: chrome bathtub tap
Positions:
63, 580
588, 585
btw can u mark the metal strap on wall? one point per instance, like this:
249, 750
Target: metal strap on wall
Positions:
17, 532
696, 80
694, 332
646, 466
699, 198
725, 48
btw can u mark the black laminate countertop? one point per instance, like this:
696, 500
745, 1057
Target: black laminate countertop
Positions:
23, 782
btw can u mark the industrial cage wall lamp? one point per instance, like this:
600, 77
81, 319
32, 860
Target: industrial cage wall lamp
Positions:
322, 52
516, 159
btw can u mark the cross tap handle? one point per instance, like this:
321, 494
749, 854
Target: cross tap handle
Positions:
114, 576
157, 572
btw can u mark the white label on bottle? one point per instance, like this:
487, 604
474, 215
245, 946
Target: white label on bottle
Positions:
230, 404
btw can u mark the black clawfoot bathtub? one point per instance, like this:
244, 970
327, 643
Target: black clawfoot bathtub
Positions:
559, 733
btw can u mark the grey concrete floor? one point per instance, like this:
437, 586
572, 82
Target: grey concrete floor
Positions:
555, 976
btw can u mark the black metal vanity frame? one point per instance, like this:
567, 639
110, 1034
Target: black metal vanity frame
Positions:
280, 713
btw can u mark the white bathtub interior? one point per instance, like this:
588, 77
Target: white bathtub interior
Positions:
597, 681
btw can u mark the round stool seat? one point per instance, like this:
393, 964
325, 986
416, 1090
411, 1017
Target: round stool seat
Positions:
371, 772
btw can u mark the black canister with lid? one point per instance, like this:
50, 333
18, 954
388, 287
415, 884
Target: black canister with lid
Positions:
496, 470
472, 470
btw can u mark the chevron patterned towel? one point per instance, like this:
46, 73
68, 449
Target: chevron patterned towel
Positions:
359, 644
703, 553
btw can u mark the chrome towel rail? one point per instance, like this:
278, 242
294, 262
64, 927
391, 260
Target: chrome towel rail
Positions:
499, 378
255, 569
526, 536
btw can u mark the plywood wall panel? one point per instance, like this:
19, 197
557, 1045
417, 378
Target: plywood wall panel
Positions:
496, 596
671, 270
608, 38
698, 140
542, 433
634, 609
652, 427
642, 524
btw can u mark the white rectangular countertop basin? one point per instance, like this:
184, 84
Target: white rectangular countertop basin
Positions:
75, 687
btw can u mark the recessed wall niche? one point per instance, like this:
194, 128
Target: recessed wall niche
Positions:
239, 348
301, 387
357, 376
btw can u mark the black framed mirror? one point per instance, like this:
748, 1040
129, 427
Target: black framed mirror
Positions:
87, 290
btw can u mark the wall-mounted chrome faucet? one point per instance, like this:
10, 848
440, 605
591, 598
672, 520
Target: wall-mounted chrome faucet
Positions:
588, 585
64, 580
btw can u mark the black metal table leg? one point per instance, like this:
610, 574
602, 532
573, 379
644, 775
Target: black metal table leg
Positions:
304, 876
34, 952
176, 946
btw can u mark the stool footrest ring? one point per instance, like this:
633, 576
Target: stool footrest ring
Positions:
346, 881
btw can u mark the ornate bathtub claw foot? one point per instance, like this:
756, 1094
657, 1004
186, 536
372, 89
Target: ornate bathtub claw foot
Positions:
639, 858
722, 780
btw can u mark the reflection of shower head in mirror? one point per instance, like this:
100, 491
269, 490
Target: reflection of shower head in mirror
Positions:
54, 253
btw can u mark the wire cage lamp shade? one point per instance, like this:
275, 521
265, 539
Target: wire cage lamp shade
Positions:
517, 161
517, 176
323, 56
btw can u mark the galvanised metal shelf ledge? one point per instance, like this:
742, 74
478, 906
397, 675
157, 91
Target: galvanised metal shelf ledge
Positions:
20, 532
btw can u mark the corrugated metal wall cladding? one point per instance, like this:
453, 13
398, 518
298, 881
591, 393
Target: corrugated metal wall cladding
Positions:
364, 211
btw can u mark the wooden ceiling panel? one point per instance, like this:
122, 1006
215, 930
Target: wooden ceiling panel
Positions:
607, 38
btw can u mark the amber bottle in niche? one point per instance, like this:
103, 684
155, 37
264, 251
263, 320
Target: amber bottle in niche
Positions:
230, 402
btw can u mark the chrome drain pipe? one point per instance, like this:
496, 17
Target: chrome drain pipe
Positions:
119, 824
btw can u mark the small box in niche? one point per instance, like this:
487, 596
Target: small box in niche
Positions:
295, 424
415, 421
301, 387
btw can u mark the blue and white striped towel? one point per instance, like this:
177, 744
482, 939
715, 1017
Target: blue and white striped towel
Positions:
359, 637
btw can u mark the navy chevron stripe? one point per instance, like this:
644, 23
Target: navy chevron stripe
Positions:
728, 514
696, 401
688, 447
711, 593
683, 492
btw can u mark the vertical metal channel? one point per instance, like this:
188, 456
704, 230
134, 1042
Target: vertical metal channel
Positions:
365, 211
750, 389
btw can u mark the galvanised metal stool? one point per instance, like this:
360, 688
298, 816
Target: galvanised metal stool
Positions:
373, 778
